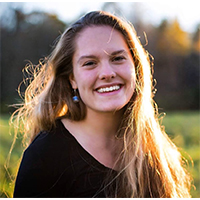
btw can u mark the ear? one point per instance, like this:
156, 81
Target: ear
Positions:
73, 81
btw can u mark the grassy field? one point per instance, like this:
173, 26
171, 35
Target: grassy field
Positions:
7, 174
182, 127
184, 130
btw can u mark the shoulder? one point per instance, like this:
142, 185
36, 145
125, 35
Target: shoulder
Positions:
57, 133
46, 164
50, 144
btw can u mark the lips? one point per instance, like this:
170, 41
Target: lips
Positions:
106, 89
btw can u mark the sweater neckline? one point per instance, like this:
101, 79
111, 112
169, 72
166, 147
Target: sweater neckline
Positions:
94, 160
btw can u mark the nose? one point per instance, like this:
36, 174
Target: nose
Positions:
106, 72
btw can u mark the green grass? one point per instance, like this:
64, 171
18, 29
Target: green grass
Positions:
184, 130
182, 127
8, 172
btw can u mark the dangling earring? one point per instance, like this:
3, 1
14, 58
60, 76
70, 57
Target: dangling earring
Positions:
75, 97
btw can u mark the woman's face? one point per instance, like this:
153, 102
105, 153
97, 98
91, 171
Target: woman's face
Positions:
104, 72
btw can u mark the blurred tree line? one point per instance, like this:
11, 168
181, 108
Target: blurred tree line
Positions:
31, 36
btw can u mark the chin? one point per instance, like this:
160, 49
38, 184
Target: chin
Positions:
112, 108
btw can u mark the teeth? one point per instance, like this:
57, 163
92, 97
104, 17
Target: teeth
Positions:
109, 89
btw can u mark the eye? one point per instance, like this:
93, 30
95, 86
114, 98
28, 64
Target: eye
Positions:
89, 63
118, 58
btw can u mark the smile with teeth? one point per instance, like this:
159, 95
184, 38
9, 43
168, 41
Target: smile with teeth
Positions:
108, 89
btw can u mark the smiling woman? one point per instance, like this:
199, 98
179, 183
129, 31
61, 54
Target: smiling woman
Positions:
91, 117
104, 73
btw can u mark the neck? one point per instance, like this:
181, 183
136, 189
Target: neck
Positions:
105, 124
96, 133
97, 125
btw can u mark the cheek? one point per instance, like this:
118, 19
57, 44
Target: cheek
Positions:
129, 74
131, 80
132, 73
85, 81
133, 77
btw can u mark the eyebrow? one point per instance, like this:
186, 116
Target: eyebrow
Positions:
112, 54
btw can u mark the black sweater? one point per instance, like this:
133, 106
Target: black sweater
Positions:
56, 165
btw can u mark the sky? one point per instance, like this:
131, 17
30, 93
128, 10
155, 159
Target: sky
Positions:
187, 12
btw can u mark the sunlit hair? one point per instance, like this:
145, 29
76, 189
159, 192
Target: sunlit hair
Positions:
149, 163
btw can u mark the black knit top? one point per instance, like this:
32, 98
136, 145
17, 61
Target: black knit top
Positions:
56, 165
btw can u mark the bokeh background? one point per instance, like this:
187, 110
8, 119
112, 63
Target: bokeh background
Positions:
169, 31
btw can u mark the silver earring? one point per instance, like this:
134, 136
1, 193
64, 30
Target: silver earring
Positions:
75, 97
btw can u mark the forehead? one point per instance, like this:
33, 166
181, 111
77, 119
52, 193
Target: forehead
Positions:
96, 38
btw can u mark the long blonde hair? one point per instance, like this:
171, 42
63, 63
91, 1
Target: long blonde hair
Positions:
150, 164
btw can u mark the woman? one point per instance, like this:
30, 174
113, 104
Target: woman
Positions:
93, 124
